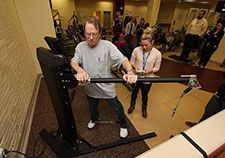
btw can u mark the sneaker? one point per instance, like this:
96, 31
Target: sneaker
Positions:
91, 124
123, 132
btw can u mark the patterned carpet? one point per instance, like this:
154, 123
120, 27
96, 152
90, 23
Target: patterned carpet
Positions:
44, 118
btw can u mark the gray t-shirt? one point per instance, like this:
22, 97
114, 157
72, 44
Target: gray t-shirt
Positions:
97, 62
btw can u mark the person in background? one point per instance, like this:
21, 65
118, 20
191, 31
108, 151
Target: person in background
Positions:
121, 41
147, 25
123, 46
146, 60
140, 28
127, 20
195, 30
215, 105
213, 39
96, 57
130, 30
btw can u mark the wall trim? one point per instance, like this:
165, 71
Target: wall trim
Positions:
29, 118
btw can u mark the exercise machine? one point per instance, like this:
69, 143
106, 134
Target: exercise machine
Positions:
74, 29
59, 78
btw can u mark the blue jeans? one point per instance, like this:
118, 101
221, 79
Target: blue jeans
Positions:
114, 103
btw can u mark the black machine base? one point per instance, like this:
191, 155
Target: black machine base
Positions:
63, 150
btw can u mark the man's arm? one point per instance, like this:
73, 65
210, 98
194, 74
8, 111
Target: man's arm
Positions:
130, 77
127, 28
75, 66
204, 28
81, 74
189, 26
127, 66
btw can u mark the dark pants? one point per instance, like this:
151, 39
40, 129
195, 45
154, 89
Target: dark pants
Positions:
115, 104
145, 88
207, 52
189, 43
214, 105
138, 39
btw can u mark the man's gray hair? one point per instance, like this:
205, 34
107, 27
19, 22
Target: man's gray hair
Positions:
93, 20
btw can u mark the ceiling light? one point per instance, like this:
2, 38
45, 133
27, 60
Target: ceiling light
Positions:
190, 1
204, 2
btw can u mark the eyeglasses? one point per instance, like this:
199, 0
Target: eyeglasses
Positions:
94, 35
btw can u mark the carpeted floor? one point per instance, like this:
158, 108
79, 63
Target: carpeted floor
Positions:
44, 118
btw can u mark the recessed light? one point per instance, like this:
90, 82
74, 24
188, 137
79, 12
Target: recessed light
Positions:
204, 2
190, 1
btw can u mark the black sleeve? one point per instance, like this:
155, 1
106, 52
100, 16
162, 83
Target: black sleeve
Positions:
210, 34
219, 37
221, 91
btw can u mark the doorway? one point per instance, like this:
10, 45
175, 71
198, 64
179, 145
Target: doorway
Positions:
107, 15
97, 14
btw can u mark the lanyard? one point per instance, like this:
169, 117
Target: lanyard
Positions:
144, 61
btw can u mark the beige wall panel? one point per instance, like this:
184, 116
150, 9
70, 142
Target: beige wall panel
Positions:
153, 11
166, 13
18, 75
87, 7
36, 20
136, 9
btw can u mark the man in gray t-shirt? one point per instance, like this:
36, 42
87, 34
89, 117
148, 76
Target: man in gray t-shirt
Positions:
96, 57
